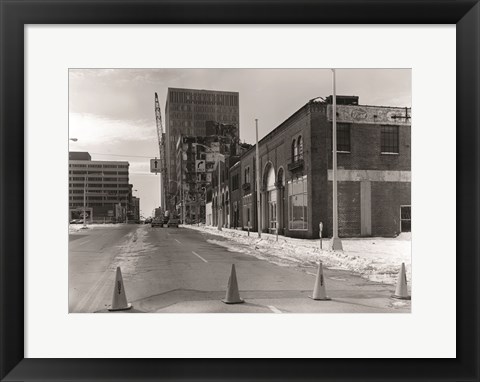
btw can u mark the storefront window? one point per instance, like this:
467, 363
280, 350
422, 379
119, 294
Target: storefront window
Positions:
247, 211
272, 208
297, 204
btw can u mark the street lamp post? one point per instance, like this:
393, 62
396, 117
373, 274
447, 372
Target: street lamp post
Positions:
219, 200
126, 209
84, 200
336, 243
259, 204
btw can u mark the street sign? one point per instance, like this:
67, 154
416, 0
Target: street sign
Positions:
200, 165
155, 165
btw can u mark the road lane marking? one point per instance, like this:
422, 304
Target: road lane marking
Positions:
273, 309
310, 273
178, 241
83, 242
200, 257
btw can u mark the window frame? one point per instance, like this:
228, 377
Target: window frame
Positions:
299, 148
384, 149
304, 194
402, 220
342, 127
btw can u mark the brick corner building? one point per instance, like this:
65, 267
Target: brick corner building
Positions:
374, 172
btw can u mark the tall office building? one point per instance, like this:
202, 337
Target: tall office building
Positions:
103, 184
188, 112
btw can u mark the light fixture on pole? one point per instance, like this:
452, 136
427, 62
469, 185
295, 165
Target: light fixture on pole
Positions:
84, 200
336, 243
257, 171
219, 201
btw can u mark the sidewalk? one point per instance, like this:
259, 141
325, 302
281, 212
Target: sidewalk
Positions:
376, 259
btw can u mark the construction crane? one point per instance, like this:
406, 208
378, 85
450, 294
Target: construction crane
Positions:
161, 150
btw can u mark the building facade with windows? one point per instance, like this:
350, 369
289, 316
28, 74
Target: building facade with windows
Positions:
197, 173
374, 172
193, 112
105, 185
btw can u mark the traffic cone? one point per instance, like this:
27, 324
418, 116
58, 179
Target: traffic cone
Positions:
119, 301
232, 296
402, 290
319, 292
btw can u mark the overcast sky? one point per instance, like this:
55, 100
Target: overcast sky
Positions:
112, 111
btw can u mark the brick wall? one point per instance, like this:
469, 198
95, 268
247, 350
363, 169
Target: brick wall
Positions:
318, 164
387, 197
365, 149
349, 217
248, 160
276, 149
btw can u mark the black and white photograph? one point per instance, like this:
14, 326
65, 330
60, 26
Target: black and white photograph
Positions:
240, 190
246, 176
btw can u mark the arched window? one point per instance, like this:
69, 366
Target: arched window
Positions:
294, 150
300, 147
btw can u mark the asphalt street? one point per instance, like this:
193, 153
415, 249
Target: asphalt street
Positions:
178, 270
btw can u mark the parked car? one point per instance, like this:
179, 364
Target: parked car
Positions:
157, 223
173, 222
76, 221
148, 220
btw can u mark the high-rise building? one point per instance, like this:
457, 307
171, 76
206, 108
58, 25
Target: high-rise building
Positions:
189, 112
101, 187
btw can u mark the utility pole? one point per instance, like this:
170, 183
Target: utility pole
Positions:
84, 200
164, 184
336, 243
126, 209
219, 227
259, 218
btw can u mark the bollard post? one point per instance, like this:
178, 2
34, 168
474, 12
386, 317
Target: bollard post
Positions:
321, 229
276, 233
248, 227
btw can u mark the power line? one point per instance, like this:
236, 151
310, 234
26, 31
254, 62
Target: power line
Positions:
125, 156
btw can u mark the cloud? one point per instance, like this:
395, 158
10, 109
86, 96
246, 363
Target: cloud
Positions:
94, 129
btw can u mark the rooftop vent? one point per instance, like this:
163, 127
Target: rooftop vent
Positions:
343, 100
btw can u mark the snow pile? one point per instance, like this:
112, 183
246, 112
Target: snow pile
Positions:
377, 259
79, 227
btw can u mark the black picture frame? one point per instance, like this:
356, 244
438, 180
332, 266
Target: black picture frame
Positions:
15, 14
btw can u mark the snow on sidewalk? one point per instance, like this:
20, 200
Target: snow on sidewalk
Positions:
377, 259
78, 227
